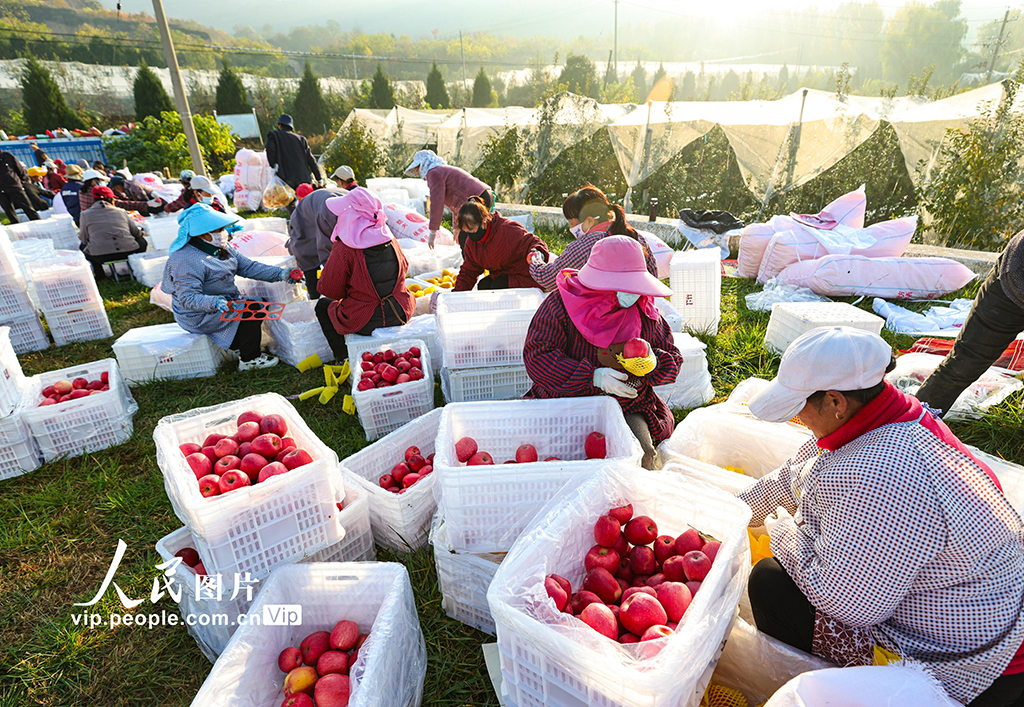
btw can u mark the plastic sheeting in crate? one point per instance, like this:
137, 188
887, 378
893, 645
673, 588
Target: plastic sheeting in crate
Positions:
791, 319
257, 527
400, 521
480, 329
487, 507
468, 385
12, 379
265, 223
148, 267
60, 229
165, 352
15, 301
716, 436
356, 546
297, 335
669, 313
63, 282
384, 410
423, 327
392, 663
28, 335
692, 387
89, 424
551, 658
695, 277
423, 259
83, 323
283, 292
463, 579
161, 230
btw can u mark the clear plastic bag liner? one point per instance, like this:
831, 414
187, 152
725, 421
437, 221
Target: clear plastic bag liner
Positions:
994, 385
934, 321
168, 339
862, 686
1010, 475
775, 291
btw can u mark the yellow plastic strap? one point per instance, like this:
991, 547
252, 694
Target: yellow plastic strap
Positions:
329, 377
309, 363
311, 393
348, 405
327, 394
341, 373
886, 657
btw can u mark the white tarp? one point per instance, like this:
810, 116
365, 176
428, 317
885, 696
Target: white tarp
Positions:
460, 139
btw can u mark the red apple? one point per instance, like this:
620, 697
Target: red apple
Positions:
367, 356
287, 442
711, 549
226, 464
48, 401
623, 514
416, 462
296, 458
664, 547
607, 531
410, 479
465, 448
601, 582
365, 384
400, 471
635, 348
595, 446
226, 447
210, 454
412, 451
79, 383
621, 546
627, 593
274, 424
267, 445
390, 373
234, 479
344, 635
696, 565
252, 464
313, 646
563, 583
623, 571
366, 366
63, 387
403, 366
656, 632
378, 357
200, 464
188, 448
332, 662
693, 587
642, 530
248, 416
49, 391
414, 351
247, 431
332, 691
212, 439
390, 356
556, 592
640, 612
689, 541
299, 699
675, 598
80, 393
387, 481
628, 638
655, 579
673, 569
271, 469
243, 449
188, 555
209, 485
600, 618
480, 458
642, 560
582, 599
415, 374
105, 377
526, 453
289, 659
601, 557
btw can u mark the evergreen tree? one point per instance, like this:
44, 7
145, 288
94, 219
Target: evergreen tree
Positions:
481, 90
640, 82
437, 94
42, 103
784, 77
381, 93
311, 113
231, 96
150, 97
658, 75
730, 85
579, 75
689, 87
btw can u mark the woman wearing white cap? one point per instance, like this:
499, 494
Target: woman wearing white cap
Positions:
197, 190
888, 534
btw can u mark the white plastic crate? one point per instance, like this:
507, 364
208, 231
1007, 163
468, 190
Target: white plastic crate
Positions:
356, 546
12, 379
423, 259
791, 319
384, 410
161, 230
392, 662
63, 283
257, 527
468, 385
82, 323
463, 579
60, 229
695, 277
15, 302
28, 335
9, 264
19, 452
669, 313
692, 387
297, 335
284, 292
165, 352
484, 329
400, 521
553, 659
148, 267
487, 507
423, 327
82, 425
265, 223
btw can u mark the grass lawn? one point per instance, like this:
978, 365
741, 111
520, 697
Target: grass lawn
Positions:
59, 527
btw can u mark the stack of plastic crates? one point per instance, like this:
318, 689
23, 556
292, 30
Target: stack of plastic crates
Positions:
17, 311
69, 299
695, 277
161, 232
60, 229
482, 336
166, 352
19, 453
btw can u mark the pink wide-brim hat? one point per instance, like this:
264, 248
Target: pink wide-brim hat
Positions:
616, 263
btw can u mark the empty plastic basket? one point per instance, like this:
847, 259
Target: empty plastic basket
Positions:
15, 302
463, 579
19, 452
27, 334
82, 323
166, 352
297, 335
60, 229
383, 410
468, 385
695, 277
63, 283
148, 267
692, 387
480, 329
161, 230
791, 319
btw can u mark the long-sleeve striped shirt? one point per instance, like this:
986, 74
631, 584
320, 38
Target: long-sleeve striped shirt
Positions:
575, 257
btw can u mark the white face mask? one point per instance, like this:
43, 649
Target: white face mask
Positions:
626, 299
208, 200
576, 230
220, 239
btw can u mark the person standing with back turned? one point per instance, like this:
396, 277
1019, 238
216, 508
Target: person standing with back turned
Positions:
289, 154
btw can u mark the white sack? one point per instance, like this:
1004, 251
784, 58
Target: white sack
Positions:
891, 278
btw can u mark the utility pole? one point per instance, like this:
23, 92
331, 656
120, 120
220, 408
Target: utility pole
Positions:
180, 99
615, 45
462, 51
995, 49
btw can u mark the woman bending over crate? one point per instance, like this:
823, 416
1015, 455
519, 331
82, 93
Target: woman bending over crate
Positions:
496, 244
362, 286
200, 277
572, 345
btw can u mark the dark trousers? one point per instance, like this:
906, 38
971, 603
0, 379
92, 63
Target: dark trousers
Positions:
247, 339
994, 322
499, 282
782, 611
311, 282
336, 340
12, 198
98, 260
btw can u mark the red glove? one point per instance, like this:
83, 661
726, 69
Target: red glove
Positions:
297, 275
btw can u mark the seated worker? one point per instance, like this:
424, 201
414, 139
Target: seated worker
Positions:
363, 283
597, 219
131, 191
93, 177
196, 190
499, 245
345, 177
310, 229
69, 193
572, 341
200, 277
108, 233
887, 532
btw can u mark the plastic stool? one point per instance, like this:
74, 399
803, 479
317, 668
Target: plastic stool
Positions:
118, 270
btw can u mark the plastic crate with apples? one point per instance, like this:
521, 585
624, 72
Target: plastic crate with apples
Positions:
400, 521
246, 524
398, 390
485, 503
463, 579
212, 635
392, 662
423, 327
482, 329
166, 352
96, 420
558, 659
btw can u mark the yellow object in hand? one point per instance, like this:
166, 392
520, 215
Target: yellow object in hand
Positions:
760, 547
638, 366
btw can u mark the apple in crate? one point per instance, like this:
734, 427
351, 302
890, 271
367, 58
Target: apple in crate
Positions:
226, 464
301, 679
595, 446
465, 448
247, 432
63, 387
234, 479
526, 453
314, 645
332, 662
271, 469
209, 485
188, 555
344, 635
200, 464
296, 458
332, 691
252, 464
249, 416
225, 448
274, 424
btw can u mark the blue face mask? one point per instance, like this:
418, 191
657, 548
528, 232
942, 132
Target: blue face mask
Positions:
626, 299
208, 200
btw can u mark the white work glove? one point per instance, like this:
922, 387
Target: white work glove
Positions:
431, 238
613, 382
537, 258
154, 203
780, 515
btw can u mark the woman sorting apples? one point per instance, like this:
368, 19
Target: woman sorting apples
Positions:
496, 244
362, 286
891, 540
599, 323
200, 277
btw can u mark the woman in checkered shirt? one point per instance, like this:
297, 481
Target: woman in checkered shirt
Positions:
891, 540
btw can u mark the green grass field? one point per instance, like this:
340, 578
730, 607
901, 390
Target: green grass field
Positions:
59, 527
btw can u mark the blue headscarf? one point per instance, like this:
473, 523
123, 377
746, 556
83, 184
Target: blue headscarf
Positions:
197, 220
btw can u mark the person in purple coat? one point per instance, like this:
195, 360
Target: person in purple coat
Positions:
449, 186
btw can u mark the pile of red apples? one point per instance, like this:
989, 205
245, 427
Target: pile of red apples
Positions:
257, 451
65, 390
639, 584
468, 452
405, 474
317, 671
384, 369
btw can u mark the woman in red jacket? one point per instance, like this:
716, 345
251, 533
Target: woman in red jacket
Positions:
496, 244
362, 286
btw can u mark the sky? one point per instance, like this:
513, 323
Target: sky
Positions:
416, 18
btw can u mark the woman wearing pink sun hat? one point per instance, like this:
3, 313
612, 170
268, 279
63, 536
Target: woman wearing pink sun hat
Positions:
571, 345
